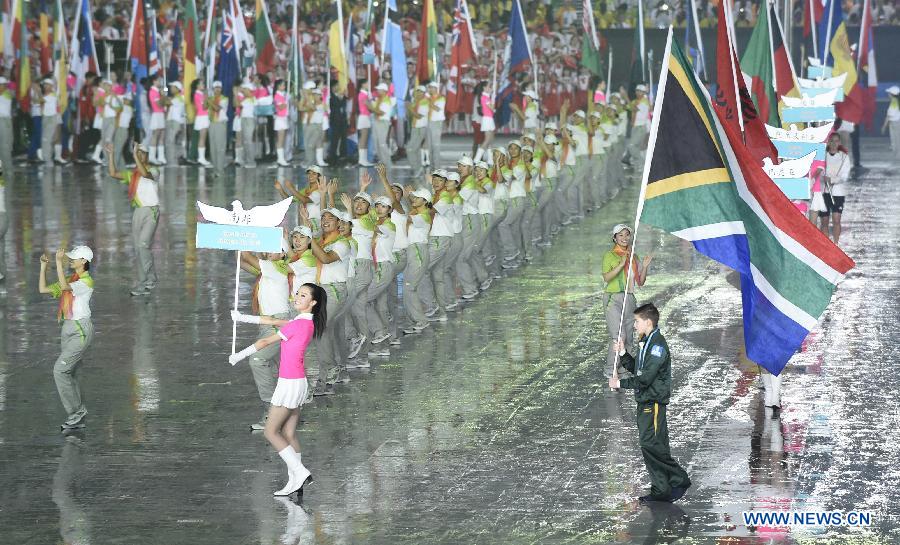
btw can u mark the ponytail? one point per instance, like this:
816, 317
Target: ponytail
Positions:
319, 310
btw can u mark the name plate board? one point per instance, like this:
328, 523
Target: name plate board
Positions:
816, 91
808, 114
245, 238
794, 150
814, 72
796, 189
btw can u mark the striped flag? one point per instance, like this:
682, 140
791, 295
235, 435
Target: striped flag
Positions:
702, 185
759, 63
23, 56
265, 43
191, 38
462, 52
834, 50
590, 42
867, 82
82, 51
516, 58
428, 45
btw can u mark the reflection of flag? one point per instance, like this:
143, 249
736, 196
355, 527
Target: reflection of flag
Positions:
189, 62
590, 43
425, 68
265, 43
462, 51
719, 199
399, 76
758, 63
866, 72
516, 58
757, 140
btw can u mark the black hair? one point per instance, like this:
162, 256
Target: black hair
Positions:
194, 85
319, 311
648, 311
87, 265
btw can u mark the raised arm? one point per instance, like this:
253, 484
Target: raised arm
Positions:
61, 270
250, 263
381, 171
42, 281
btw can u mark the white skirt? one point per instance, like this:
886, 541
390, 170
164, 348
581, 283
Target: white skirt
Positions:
487, 124
236, 124
157, 121
363, 122
281, 123
290, 392
201, 122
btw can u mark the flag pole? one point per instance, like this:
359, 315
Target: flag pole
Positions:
648, 157
641, 40
494, 82
787, 49
769, 4
699, 36
828, 32
812, 27
732, 51
608, 77
237, 285
862, 32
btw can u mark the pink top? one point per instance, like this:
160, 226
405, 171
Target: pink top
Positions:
260, 92
486, 110
361, 99
281, 105
295, 337
155, 106
599, 96
118, 89
199, 99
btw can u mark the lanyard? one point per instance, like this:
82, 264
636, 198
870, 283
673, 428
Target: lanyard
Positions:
644, 349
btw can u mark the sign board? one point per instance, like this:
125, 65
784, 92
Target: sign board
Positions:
818, 91
808, 114
794, 150
796, 189
246, 238
814, 72
793, 134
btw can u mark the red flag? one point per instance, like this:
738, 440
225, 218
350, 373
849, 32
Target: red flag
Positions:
461, 53
137, 39
867, 76
785, 78
818, 11
756, 139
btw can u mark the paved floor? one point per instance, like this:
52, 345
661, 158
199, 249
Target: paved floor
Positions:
492, 428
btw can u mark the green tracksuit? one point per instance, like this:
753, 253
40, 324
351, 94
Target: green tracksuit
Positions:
652, 385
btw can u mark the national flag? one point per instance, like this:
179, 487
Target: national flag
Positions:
238, 27
516, 58
172, 70
265, 42
228, 68
45, 38
867, 82
23, 57
758, 64
399, 75
590, 42
6, 46
337, 56
812, 15
720, 200
728, 74
428, 44
154, 66
462, 52
638, 52
190, 60
138, 52
82, 51
785, 75
834, 50
61, 65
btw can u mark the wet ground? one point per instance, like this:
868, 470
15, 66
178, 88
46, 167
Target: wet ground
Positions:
495, 427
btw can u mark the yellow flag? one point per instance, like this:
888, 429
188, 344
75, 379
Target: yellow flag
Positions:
338, 59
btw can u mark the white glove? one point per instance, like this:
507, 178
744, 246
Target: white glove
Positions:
236, 316
249, 351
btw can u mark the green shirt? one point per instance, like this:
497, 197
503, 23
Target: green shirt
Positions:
610, 261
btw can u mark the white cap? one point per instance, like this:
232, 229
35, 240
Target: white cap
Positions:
482, 164
453, 176
419, 88
364, 196
46, 81
314, 168
528, 149
893, 90
552, 125
142, 147
303, 230
217, 84
596, 113
530, 136
384, 201
80, 252
550, 139
642, 88
434, 84
439, 172
502, 151
309, 84
422, 193
579, 113
530, 94
333, 211
514, 143
344, 216
176, 84
619, 228
466, 160
381, 87
317, 91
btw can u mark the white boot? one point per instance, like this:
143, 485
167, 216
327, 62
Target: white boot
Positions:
96, 156
161, 154
478, 154
363, 158
320, 157
57, 155
297, 472
201, 157
281, 161
238, 154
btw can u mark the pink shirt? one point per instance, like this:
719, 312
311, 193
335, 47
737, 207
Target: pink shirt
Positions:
486, 110
199, 99
362, 98
295, 337
154, 96
599, 97
261, 92
281, 105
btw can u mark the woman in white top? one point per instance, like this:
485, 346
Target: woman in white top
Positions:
434, 293
382, 249
892, 119
74, 293
486, 217
467, 266
175, 118
301, 259
451, 188
51, 149
399, 218
836, 172
486, 111
511, 227
123, 122
332, 252
415, 275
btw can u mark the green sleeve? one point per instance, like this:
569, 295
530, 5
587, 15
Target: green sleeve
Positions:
55, 290
610, 260
126, 177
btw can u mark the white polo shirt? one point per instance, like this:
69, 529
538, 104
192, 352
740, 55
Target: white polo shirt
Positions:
336, 271
274, 293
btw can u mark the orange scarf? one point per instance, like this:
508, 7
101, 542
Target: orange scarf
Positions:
66, 301
326, 240
623, 252
133, 185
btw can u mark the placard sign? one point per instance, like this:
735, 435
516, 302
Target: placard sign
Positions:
808, 114
816, 91
791, 176
814, 72
788, 149
245, 238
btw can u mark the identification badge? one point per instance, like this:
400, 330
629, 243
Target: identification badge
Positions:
656, 351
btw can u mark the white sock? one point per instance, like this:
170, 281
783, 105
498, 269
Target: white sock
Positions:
201, 154
478, 154
161, 154
290, 456
57, 149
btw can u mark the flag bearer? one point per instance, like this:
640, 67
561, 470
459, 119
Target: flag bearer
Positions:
652, 385
436, 117
384, 108
74, 294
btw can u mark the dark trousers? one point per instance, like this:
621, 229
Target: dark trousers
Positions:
653, 433
854, 145
35, 144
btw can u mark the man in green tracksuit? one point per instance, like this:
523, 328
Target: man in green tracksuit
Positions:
652, 385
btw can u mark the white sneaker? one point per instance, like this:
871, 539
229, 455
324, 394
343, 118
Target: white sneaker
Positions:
377, 340
358, 343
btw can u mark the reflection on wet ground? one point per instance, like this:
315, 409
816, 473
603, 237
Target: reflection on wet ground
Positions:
495, 427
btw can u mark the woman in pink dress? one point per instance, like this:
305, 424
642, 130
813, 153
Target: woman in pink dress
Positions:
201, 118
280, 101
292, 389
486, 111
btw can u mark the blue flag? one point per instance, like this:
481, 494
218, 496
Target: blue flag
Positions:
399, 75
172, 73
516, 58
